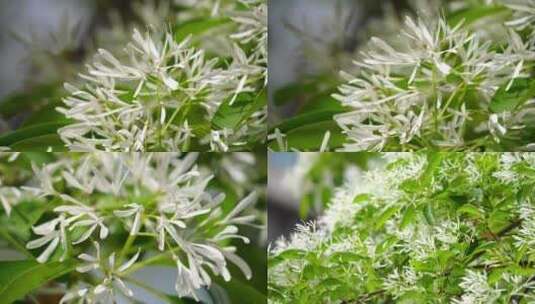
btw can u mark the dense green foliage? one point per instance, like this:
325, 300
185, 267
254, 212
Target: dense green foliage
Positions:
422, 228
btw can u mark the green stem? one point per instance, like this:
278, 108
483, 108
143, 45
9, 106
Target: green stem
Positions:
126, 248
175, 113
146, 262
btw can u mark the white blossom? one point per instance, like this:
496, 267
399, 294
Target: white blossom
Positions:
131, 102
135, 210
477, 289
51, 233
403, 92
111, 280
175, 207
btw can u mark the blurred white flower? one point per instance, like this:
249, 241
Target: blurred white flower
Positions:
133, 103
526, 232
477, 289
51, 233
173, 205
406, 95
135, 210
109, 276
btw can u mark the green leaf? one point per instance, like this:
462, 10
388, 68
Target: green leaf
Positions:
40, 144
238, 290
498, 220
28, 101
470, 210
522, 90
385, 216
347, 257
361, 198
408, 216
306, 119
231, 116
434, 161
322, 102
31, 132
47, 114
290, 254
310, 92
310, 137
473, 14
195, 114
413, 297
23, 216
304, 207
429, 214
176, 300
198, 26
292, 91
18, 278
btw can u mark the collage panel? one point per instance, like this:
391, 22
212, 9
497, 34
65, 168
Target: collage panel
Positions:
402, 75
156, 228
421, 227
133, 76
147, 156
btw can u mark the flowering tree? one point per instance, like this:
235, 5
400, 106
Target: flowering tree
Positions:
95, 219
460, 79
172, 88
422, 227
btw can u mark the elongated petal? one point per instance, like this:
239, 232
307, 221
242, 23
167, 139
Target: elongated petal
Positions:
48, 251
85, 235
46, 228
244, 203
238, 261
41, 241
104, 231
137, 224
124, 289
130, 262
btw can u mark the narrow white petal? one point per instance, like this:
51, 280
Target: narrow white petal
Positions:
41, 241
85, 235
48, 251
137, 224
130, 262
244, 203
124, 289
238, 261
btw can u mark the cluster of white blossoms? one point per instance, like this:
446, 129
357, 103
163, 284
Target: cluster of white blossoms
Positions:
160, 197
421, 225
435, 87
478, 289
165, 93
8, 195
523, 13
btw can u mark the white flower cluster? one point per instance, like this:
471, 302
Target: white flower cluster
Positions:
523, 13
417, 94
165, 93
253, 29
526, 234
478, 289
104, 292
163, 196
399, 283
392, 219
